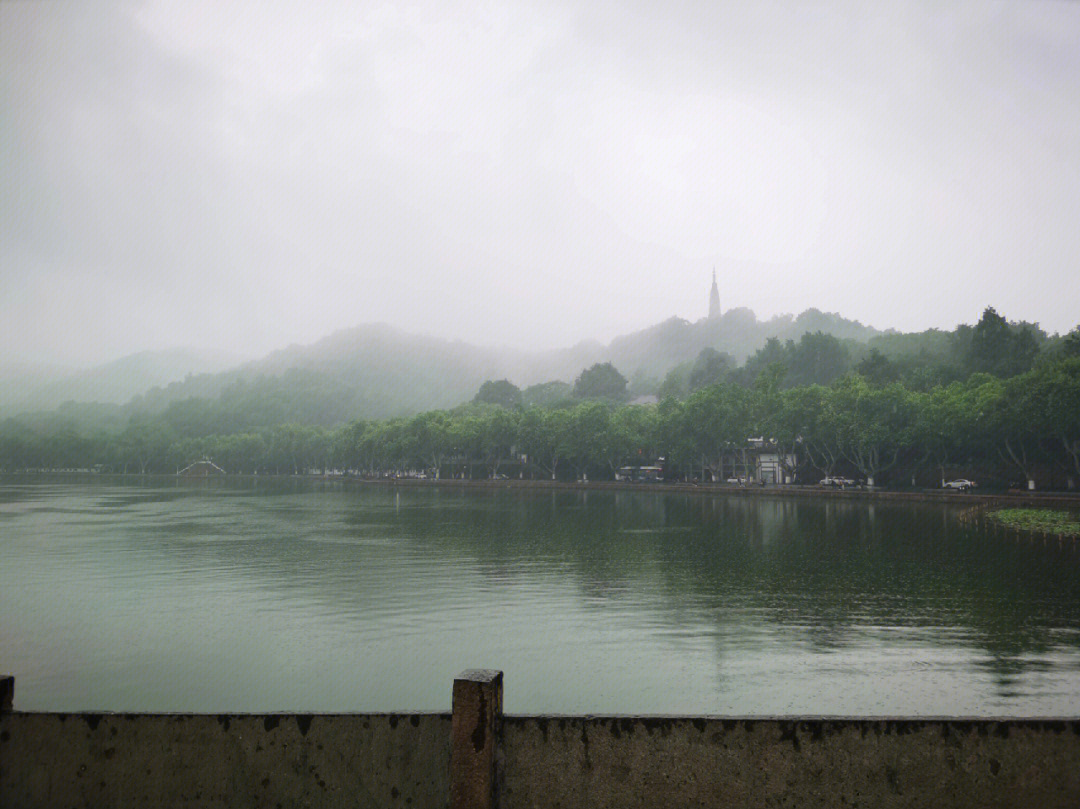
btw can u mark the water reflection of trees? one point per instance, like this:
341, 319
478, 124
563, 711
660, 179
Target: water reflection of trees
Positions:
821, 574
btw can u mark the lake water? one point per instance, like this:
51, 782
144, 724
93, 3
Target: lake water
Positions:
243, 595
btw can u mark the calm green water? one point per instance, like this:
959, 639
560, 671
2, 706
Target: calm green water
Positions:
254, 596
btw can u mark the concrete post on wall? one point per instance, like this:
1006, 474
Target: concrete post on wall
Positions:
476, 740
7, 692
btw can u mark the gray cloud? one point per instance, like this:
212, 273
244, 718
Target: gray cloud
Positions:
252, 175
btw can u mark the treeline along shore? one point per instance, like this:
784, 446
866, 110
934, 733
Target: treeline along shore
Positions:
1022, 431
997, 403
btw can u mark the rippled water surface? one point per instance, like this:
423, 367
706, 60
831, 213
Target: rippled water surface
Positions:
237, 595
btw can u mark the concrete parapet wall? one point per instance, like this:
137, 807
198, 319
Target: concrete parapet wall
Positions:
636, 762
176, 760
381, 760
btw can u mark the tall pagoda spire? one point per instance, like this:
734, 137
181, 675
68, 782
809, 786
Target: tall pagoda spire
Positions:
714, 298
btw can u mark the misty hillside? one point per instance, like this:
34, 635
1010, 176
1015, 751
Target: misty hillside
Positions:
377, 371
30, 388
17, 380
371, 371
377, 353
654, 351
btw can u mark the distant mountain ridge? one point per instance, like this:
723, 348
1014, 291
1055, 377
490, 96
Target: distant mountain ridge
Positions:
116, 382
378, 371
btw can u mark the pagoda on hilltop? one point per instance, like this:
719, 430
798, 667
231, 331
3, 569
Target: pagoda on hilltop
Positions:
714, 298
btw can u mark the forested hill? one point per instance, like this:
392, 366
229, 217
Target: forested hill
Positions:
372, 371
376, 371
374, 374
654, 351
990, 395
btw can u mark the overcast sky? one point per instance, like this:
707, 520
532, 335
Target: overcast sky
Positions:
251, 175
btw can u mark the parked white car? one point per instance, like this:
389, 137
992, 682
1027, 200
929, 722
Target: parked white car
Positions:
960, 484
838, 482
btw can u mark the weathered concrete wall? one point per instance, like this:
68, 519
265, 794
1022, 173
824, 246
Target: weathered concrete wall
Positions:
92, 760
628, 763
277, 760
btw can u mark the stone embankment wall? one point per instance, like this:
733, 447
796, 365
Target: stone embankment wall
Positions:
380, 760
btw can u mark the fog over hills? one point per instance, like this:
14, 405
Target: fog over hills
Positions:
378, 371
26, 387
441, 373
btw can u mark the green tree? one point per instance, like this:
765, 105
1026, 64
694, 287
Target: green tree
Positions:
600, 381
547, 394
501, 392
719, 420
1004, 422
945, 426
876, 424
630, 437
785, 423
877, 369
431, 436
997, 348
144, 443
586, 435
244, 453
673, 438
814, 413
499, 433
676, 382
544, 438
710, 368
400, 447
1070, 344
817, 359
772, 353
467, 437
1053, 393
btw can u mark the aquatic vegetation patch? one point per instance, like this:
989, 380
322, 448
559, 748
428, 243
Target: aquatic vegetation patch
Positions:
1054, 521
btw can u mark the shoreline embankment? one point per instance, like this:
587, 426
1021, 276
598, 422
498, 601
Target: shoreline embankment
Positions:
1015, 497
1010, 496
